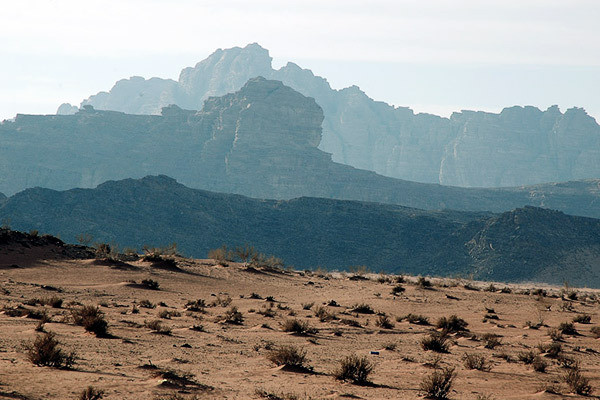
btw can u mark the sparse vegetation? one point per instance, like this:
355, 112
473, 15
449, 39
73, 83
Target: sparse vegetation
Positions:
526, 357
157, 327
151, 284
577, 382
362, 308
424, 282
291, 356
46, 351
583, 319
233, 316
452, 324
439, 384
91, 393
567, 328
92, 320
297, 326
539, 364
491, 340
416, 319
355, 369
384, 322
435, 341
396, 290
476, 361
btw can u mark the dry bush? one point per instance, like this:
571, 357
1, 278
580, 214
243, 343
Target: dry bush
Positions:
291, 356
221, 301
384, 322
539, 364
416, 319
297, 326
577, 382
350, 322
438, 384
491, 340
354, 368
91, 393
567, 362
324, 314
362, 308
423, 282
567, 328
552, 349
157, 327
435, 342
555, 334
53, 301
583, 319
196, 306
233, 316
526, 357
476, 361
92, 319
147, 304
46, 351
396, 290
167, 314
452, 324
307, 306
151, 284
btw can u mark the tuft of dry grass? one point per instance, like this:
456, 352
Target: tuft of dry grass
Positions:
476, 361
355, 369
439, 384
291, 356
46, 351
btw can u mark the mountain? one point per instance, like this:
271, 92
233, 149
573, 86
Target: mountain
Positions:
528, 244
519, 146
261, 141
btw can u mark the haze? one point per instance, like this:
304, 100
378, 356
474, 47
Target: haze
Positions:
434, 56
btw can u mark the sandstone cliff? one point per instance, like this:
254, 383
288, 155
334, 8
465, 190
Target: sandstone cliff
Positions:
519, 146
261, 141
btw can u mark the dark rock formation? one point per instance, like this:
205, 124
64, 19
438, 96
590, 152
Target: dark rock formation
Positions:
473, 149
260, 142
526, 244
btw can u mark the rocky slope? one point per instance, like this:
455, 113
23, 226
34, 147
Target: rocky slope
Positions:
260, 141
520, 245
473, 149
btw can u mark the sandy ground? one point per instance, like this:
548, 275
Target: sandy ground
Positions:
228, 361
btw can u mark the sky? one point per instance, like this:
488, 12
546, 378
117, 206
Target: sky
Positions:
435, 56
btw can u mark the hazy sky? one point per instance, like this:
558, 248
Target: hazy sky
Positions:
434, 56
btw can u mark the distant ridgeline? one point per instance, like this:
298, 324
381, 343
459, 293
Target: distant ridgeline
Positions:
519, 146
526, 244
261, 142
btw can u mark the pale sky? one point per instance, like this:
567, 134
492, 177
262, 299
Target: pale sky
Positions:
434, 56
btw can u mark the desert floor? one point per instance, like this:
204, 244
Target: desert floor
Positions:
220, 360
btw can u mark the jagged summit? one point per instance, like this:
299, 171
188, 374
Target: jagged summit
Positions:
536, 146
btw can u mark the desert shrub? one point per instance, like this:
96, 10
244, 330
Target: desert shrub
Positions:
288, 355
435, 342
539, 364
151, 284
297, 326
383, 321
147, 304
233, 316
324, 314
438, 384
196, 306
46, 351
268, 312
91, 393
595, 330
526, 357
552, 349
221, 301
198, 328
167, 314
539, 292
391, 346
416, 319
469, 286
245, 253
307, 306
354, 368
36, 314
506, 290
221, 255
397, 289
452, 324
567, 328
583, 319
350, 322
577, 382
424, 282
567, 362
476, 361
157, 327
491, 340
92, 320
362, 308
555, 334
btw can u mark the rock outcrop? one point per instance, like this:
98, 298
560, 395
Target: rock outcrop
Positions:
261, 142
528, 244
519, 146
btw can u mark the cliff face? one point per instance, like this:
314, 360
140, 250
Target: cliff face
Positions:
519, 146
260, 141
520, 245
